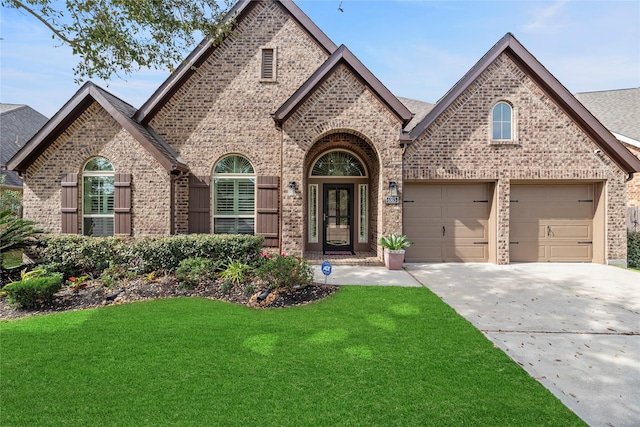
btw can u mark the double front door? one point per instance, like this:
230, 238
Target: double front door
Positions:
337, 230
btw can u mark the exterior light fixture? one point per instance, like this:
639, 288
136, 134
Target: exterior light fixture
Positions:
393, 189
292, 187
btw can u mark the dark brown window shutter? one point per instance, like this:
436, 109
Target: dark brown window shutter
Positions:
122, 204
267, 210
69, 204
199, 204
267, 64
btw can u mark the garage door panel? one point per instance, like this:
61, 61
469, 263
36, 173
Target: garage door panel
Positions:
463, 211
473, 210
573, 231
468, 253
529, 251
423, 252
551, 210
471, 230
569, 252
527, 229
551, 222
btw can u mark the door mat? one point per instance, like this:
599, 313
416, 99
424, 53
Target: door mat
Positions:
338, 253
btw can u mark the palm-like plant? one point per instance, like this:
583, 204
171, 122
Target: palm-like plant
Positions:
15, 232
394, 242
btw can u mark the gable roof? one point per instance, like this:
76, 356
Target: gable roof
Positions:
618, 110
342, 56
534, 69
18, 123
117, 108
205, 48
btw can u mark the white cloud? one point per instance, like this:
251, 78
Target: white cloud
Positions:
546, 20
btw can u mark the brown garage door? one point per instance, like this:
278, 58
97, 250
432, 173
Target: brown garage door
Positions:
551, 223
447, 222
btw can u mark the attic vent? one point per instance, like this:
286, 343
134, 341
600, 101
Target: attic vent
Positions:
268, 66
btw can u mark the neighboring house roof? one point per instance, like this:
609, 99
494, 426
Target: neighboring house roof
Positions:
618, 110
205, 49
342, 56
512, 47
18, 123
117, 108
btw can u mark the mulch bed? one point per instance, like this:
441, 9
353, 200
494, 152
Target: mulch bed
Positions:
95, 294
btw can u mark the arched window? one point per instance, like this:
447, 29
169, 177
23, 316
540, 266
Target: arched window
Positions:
97, 197
338, 163
234, 196
502, 122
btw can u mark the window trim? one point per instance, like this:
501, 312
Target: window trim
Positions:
313, 214
513, 139
363, 213
233, 176
89, 174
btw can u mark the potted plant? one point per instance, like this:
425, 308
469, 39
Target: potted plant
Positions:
394, 250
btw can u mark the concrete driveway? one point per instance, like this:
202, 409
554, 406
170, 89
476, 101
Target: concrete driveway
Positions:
573, 327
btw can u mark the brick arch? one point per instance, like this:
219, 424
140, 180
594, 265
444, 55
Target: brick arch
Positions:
348, 140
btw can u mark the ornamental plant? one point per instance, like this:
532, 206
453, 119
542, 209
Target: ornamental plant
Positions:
33, 292
394, 242
285, 271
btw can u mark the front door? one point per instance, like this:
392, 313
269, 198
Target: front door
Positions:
337, 235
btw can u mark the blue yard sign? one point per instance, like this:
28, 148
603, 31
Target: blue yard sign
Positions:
326, 270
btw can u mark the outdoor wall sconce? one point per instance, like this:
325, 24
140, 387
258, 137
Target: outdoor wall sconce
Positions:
292, 188
393, 189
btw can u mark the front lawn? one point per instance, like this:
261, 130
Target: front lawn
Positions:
379, 356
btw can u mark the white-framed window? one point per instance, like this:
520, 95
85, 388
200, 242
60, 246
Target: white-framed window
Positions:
313, 213
363, 213
97, 197
234, 196
268, 64
502, 122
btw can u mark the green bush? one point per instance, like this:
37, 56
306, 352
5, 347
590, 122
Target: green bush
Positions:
633, 249
285, 271
192, 271
16, 233
31, 293
236, 273
76, 255
166, 253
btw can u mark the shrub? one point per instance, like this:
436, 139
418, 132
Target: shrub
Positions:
166, 253
192, 271
15, 232
236, 273
31, 293
285, 271
633, 249
76, 255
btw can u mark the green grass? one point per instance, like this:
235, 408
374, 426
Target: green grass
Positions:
379, 356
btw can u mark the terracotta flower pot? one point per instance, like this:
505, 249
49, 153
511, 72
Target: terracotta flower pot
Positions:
393, 259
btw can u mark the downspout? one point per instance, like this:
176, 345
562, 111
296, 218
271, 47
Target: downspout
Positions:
629, 177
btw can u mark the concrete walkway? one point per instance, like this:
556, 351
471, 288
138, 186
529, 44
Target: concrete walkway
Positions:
573, 327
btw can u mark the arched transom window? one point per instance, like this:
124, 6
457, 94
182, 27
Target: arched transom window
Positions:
234, 196
502, 122
97, 197
338, 163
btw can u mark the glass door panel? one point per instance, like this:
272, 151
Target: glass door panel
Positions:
338, 218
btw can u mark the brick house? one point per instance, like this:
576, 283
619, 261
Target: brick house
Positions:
277, 131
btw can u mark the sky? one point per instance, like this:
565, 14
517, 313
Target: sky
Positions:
417, 48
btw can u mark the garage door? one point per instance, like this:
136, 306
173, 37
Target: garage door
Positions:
447, 222
551, 223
